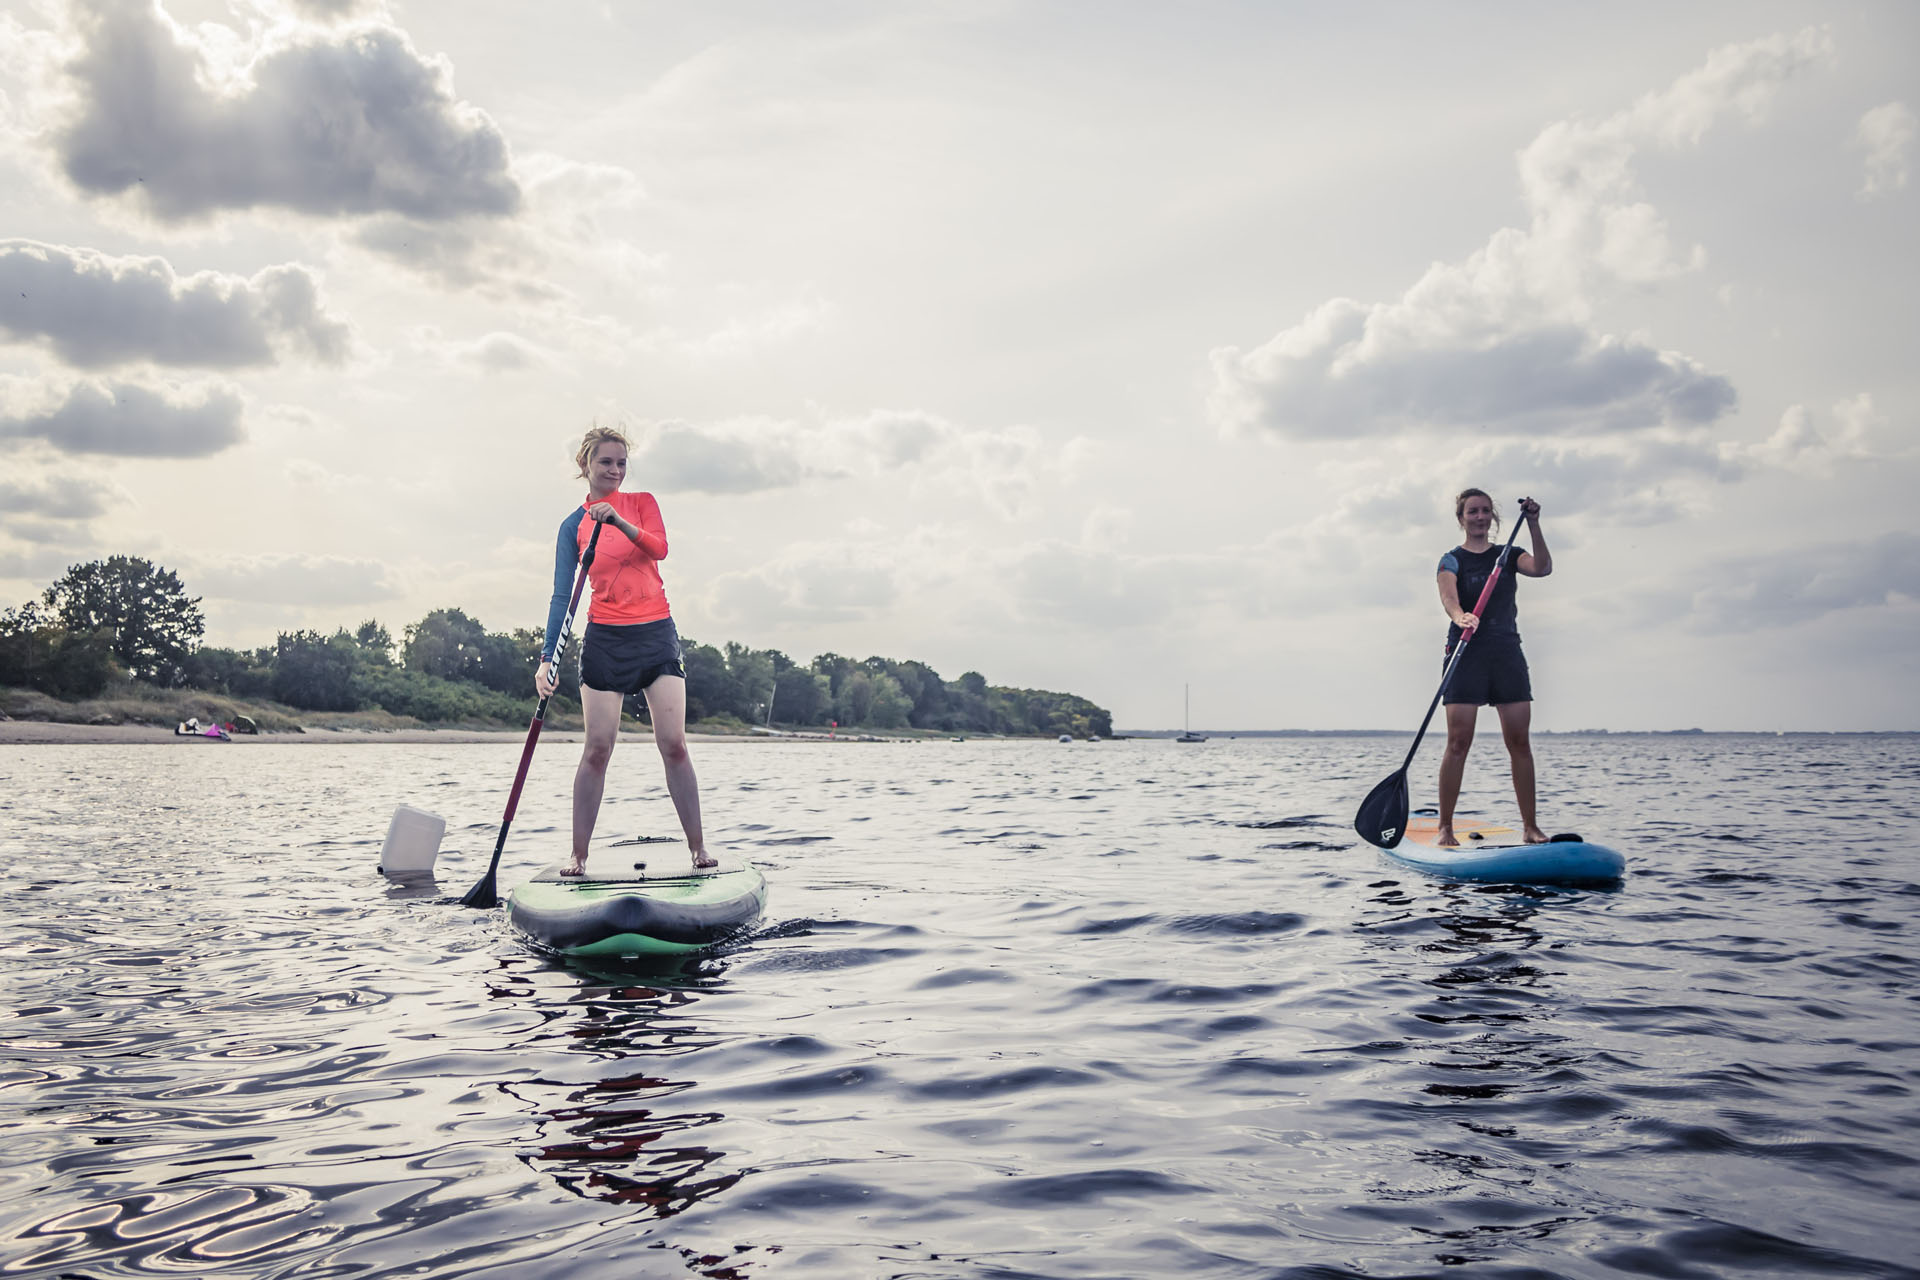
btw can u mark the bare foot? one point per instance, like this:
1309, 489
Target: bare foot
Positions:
1533, 835
574, 867
703, 860
1444, 837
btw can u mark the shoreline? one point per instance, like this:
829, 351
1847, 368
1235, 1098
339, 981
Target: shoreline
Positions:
56, 733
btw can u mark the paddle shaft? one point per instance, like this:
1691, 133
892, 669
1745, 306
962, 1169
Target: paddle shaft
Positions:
482, 893
1466, 634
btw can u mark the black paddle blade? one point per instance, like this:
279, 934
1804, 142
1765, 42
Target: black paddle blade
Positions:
1382, 819
482, 895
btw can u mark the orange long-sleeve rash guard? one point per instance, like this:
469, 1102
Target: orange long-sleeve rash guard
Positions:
625, 576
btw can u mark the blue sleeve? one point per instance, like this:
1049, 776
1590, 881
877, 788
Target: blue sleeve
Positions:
1449, 565
566, 558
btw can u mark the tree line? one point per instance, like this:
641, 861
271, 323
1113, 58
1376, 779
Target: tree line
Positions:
124, 617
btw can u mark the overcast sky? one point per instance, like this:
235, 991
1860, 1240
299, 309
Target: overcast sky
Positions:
1104, 347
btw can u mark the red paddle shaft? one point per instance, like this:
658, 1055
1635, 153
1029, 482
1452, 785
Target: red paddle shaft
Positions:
483, 894
1466, 634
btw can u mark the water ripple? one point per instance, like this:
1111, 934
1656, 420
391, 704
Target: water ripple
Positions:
1018, 1012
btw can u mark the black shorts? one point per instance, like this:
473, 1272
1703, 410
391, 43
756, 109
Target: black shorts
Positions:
628, 659
1492, 673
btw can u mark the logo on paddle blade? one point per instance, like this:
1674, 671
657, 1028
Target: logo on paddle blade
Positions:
1388, 833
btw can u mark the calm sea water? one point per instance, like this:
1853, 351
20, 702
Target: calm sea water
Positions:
1127, 1009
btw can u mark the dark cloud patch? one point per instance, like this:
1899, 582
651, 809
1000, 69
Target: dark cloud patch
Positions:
1803, 583
133, 421
461, 253
1649, 479
329, 10
352, 123
45, 531
51, 497
1337, 375
40, 562
686, 460
96, 311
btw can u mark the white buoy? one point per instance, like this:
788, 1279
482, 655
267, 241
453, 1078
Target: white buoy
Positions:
413, 842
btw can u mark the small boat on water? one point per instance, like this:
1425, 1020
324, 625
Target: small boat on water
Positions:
1187, 734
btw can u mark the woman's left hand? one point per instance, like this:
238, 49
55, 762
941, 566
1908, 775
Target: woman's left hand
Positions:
603, 512
1529, 509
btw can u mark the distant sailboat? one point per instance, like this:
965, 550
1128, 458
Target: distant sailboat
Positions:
1189, 735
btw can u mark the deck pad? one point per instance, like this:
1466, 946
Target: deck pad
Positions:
609, 870
1425, 829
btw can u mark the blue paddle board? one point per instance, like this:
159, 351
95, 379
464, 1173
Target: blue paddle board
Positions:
1494, 855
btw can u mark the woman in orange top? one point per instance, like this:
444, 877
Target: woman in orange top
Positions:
631, 645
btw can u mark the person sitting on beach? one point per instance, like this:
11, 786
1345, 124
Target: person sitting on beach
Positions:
631, 644
1493, 671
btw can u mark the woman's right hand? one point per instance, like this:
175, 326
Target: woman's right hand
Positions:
544, 681
1467, 621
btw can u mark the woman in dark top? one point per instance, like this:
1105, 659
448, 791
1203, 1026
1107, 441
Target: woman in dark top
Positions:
1493, 671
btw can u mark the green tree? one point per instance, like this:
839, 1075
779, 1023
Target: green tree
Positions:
836, 669
753, 674
41, 655
151, 623
375, 641
802, 697
711, 690
231, 671
853, 703
891, 707
449, 644
317, 672
968, 698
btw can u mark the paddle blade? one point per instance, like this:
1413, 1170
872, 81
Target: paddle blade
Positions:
1382, 819
483, 895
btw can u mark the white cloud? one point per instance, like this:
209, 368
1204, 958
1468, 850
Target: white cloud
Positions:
317, 581
328, 123
497, 352
97, 310
1506, 337
463, 253
331, 10
1886, 134
1799, 584
45, 558
55, 497
752, 455
124, 418
1646, 478
773, 326
808, 583
1850, 431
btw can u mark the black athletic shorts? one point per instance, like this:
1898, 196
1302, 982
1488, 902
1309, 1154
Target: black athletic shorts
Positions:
628, 659
1492, 672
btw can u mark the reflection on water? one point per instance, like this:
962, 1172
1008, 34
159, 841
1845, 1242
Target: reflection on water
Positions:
610, 1132
1021, 1011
